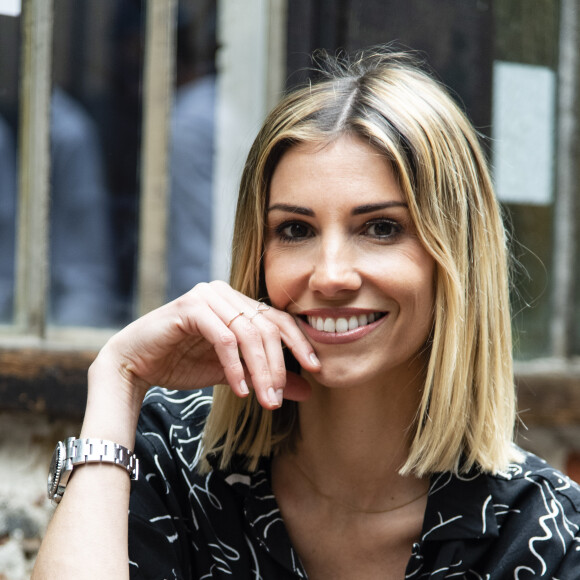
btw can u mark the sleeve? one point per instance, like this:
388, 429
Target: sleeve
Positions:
159, 531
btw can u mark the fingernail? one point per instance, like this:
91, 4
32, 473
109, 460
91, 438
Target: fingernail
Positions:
275, 397
280, 396
314, 359
244, 387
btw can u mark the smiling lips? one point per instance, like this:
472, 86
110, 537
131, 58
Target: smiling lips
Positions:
340, 329
342, 324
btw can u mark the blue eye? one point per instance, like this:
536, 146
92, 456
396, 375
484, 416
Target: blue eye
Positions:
293, 231
383, 229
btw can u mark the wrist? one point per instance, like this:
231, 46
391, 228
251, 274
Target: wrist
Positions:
113, 403
73, 453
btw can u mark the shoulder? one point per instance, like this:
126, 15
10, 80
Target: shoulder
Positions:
524, 518
538, 484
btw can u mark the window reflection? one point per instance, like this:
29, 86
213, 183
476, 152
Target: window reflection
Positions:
9, 74
7, 218
192, 148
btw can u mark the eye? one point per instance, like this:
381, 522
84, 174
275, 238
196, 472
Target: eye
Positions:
382, 229
293, 231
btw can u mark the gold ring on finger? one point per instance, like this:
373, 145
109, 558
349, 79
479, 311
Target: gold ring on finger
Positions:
236, 316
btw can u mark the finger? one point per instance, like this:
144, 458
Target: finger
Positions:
225, 344
253, 349
296, 341
260, 331
272, 343
260, 345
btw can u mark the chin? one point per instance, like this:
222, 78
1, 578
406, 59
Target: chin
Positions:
341, 376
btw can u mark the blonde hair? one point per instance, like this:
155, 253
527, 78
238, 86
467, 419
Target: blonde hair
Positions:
467, 412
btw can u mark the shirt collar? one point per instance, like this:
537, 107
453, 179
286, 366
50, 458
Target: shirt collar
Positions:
458, 507
263, 515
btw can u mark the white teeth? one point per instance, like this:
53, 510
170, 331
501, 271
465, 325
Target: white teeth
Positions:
342, 324
329, 325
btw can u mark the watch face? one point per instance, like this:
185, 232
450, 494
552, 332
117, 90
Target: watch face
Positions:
55, 470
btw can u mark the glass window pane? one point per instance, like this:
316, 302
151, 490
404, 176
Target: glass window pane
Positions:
531, 247
96, 151
9, 75
192, 148
95, 144
464, 42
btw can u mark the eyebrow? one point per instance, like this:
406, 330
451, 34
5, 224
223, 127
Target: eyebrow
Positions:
291, 209
370, 207
359, 210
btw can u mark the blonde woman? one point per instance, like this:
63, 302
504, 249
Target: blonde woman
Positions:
362, 423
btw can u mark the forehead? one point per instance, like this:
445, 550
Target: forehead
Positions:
347, 169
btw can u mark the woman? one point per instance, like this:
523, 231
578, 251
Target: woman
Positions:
365, 426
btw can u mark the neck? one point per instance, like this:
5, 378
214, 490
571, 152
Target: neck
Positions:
353, 442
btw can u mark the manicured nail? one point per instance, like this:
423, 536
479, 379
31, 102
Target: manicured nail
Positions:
275, 397
244, 387
314, 359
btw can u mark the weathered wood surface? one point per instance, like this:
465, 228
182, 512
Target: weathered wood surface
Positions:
54, 382
44, 381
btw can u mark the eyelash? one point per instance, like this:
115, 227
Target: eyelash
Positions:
396, 228
283, 237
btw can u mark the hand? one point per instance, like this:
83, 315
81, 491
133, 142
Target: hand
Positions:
214, 334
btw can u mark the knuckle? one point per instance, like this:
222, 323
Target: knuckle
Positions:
272, 332
252, 334
235, 367
227, 339
261, 376
280, 375
200, 289
217, 285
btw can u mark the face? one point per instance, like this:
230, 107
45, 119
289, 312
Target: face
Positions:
342, 256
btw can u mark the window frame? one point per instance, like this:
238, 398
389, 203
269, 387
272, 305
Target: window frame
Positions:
43, 368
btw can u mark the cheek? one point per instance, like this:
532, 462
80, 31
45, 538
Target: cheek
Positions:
281, 273
414, 285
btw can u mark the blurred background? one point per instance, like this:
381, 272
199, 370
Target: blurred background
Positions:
123, 127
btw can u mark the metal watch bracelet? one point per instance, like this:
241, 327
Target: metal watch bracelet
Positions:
73, 452
92, 450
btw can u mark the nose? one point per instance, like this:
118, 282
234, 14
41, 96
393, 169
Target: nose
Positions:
334, 271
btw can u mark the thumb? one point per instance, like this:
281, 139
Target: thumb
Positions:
297, 388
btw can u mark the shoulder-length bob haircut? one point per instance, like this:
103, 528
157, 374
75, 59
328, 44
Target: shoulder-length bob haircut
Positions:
467, 413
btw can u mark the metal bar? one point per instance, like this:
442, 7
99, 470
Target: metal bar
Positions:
157, 94
567, 181
34, 160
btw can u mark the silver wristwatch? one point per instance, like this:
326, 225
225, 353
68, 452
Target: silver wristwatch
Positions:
72, 452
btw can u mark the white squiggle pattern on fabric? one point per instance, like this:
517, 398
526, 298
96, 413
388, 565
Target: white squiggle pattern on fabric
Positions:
441, 524
523, 521
483, 515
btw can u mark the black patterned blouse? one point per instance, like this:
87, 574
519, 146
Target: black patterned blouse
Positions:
520, 524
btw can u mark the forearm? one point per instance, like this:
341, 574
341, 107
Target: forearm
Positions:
88, 534
188, 343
